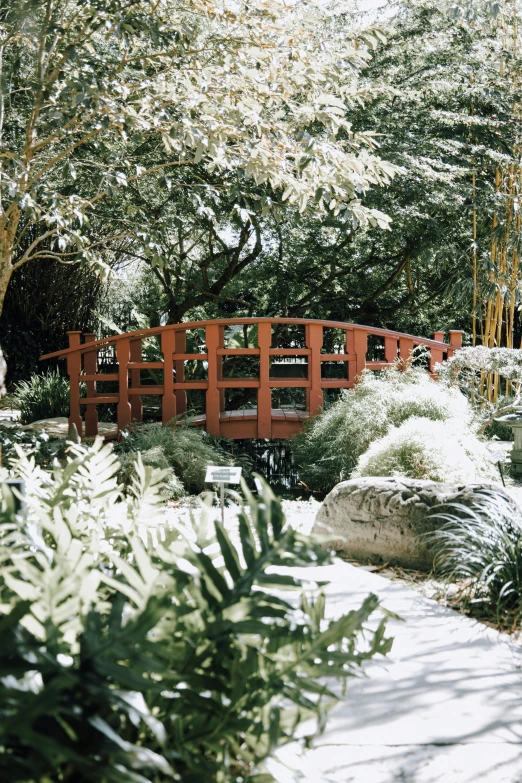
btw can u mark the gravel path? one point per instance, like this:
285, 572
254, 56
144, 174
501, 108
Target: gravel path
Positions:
299, 513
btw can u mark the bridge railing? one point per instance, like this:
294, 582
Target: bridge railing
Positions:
262, 421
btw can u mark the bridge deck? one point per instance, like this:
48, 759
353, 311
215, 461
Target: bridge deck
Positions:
238, 425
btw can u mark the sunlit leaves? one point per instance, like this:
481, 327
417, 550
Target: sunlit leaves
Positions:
266, 89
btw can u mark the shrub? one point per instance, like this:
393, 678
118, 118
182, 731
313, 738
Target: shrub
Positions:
481, 547
425, 449
42, 397
124, 660
154, 457
328, 448
490, 377
185, 450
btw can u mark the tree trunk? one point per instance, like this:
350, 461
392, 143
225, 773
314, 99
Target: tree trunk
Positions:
6, 272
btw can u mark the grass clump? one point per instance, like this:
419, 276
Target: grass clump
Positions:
480, 548
182, 450
41, 397
328, 449
425, 449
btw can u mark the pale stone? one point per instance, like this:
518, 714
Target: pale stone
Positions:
384, 519
58, 427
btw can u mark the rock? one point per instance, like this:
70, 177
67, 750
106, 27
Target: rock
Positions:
383, 519
58, 427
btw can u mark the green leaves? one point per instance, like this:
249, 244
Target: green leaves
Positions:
111, 86
123, 659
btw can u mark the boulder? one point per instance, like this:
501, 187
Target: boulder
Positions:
58, 427
382, 520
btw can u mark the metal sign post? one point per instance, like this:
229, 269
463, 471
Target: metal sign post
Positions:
217, 474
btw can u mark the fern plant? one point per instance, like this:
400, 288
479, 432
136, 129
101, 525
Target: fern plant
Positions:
135, 652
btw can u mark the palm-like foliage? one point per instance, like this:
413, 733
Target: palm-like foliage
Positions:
481, 548
127, 659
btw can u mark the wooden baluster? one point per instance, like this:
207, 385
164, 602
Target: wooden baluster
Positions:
455, 341
90, 364
405, 348
390, 349
74, 368
168, 404
350, 348
436, 355
264, 395
123, 358
309, 361
220, 368
314, 341
213, 404
180, 343
360, 346
136, 403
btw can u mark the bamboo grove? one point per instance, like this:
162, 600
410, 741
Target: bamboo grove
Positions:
496, 286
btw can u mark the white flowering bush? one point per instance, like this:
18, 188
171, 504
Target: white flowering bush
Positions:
327, 451
469, 364
424, 449
490, 377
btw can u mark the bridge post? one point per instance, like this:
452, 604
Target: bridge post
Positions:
179, 366
136, 404
360, 347
436, 356
314, 341
90, 364
264, 395
405, 348
220, 368
390, 349
455, 341
168, 401
213, 397
123, 358
74, 367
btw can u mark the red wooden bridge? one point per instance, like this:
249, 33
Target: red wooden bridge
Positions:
121, 360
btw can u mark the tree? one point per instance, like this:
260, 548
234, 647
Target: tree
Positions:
440, 61
98, 96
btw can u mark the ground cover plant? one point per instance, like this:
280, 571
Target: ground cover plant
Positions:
480, 549
128, 658
39, 444
328, 449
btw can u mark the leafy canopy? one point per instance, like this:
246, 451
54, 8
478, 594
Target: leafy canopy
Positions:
99, 96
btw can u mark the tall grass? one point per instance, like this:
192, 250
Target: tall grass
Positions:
327, 451
480, 547
42, 397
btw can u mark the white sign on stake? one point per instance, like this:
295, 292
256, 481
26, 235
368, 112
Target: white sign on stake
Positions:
219, 474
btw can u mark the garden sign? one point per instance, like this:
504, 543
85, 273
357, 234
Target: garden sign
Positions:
218, 474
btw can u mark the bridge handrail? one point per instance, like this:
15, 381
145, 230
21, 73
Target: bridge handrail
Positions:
189, 325
83, 368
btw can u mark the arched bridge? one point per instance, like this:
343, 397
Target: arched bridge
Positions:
253, 361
